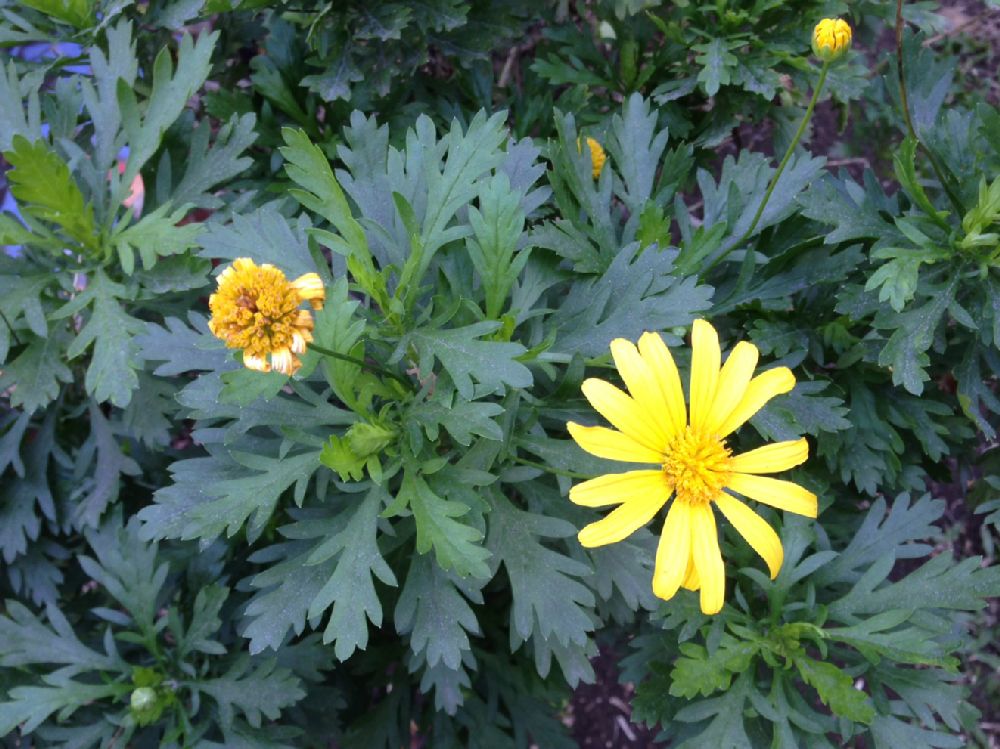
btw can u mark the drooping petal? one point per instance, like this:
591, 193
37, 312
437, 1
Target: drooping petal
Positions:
284, 361
615, 488
642, 384
624, 413
310, 288
784, 495
621, 522
761, 389
707, 558
705, 359
673, 553
774, 458
258, 363
755, 530
611, 445
732, 385
657, 356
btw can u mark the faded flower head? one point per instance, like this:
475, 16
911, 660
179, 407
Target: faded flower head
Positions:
831, 39
256, 308
693, 463
597, 155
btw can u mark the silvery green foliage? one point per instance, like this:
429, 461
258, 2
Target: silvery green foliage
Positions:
200, 555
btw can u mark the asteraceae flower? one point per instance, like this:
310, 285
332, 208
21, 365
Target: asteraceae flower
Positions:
694, 465
597, 155
831, 39
257, 309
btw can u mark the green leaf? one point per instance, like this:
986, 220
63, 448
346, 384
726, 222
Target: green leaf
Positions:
29, 706
726, 729
717, 64
254, 688
889, 732
498, 226
25, 640
156, 235
432, 609
549, 599
594, 313
170, 93
836, 689
216, 165
181, 348
462, 419
35, 373
111, 374
699, 672
456, 544
211, 496
110, 465
78, 13
15, 118
905, 351
265, 236
351, 588
44, 187
492, 364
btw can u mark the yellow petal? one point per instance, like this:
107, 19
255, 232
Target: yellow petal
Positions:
657, 357
772, 458
691, 581
624, 413
621, 523
784, 495
732, 385
642, 384
310, 288
761, 389
615, 488
673, 552
612, 445
755, 530
707, 558
705, 359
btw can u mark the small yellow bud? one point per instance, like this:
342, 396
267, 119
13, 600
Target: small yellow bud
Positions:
597, 155
831, 39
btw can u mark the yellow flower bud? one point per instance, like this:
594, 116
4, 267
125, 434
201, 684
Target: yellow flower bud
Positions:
831, 39
597, 155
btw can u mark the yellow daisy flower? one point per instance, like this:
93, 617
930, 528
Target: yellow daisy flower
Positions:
597, 155
695, 466
256, 308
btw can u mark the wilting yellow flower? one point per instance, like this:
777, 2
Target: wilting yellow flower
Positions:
256, 308
694, 464
597, 155
831, 39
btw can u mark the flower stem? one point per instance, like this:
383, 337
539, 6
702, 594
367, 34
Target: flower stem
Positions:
788, 153
905, 103
781, 168
361, 363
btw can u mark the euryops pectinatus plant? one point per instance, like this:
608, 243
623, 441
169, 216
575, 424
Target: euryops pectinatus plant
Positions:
378, 374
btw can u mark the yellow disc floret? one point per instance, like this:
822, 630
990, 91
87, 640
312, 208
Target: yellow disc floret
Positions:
256, 309
831, 39
696, 466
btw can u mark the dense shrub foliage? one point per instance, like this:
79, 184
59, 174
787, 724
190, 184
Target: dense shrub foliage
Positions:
378, 547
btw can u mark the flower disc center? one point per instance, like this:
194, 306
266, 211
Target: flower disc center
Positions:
697, 465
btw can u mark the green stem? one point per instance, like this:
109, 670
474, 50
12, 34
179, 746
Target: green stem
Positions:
550, 469
361, 363
781, 168
905, 103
